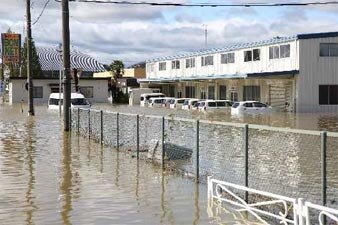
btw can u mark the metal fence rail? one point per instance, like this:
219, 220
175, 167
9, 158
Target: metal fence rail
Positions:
289, 162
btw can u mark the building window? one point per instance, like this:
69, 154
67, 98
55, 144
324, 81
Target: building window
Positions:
328, 49
162, 66
256, 54
37, 92
190, 63
211, 92
228, 58
190, 92
203, 95
207, 60
172, 91
251, 93
252, 55
285, 51
222, 92
87, 92
328, 94
175, 64
280, 51
179, 94
247, 56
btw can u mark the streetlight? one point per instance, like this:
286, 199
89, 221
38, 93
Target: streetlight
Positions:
205, 34
59, 50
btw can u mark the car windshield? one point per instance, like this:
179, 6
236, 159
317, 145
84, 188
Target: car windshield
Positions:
235, 105
79, 101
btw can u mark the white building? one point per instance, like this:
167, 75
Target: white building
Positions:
94, 89
297, 73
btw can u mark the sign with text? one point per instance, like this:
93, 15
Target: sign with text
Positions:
11, 48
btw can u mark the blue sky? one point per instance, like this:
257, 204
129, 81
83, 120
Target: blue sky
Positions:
137, 33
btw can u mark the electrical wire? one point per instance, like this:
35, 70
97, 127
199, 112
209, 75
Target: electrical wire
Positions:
207, 4
43, 10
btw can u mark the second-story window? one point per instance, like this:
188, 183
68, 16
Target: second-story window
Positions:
328, 49
280, 51
252, 55
190, 63
162, 66
228, 58
207, 60
175, 64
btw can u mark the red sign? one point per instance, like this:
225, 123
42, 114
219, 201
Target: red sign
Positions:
11, 48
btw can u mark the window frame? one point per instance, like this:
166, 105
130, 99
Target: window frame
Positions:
162, 66
36, 93
207, 60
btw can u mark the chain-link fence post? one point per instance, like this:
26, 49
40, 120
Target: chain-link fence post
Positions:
89, 123
138, 136
101, 126
246, 160
78, 120
323, 169
197, 151
117, 132
163, 149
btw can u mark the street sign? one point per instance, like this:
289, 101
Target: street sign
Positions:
11, 48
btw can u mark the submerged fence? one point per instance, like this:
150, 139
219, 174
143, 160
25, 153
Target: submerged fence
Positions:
290, 162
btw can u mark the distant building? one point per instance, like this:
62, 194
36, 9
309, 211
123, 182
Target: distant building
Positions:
51, 63
297, 73
95, 89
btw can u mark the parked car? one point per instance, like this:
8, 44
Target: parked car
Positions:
156, 102
189, 103
166, 102
250, 107
177, 103
215, 105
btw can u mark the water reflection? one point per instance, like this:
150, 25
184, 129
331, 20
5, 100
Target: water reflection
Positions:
30, 161
66, 184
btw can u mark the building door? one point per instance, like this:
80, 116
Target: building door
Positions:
281, 96
190, 92
251, 93
222, 92
234, 96
211, 92
172, 91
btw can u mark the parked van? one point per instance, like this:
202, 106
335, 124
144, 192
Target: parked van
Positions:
250, 107
177, 103
189, 103
215, 105
156, 102
77, 100
135, 94
144, 99
166, 102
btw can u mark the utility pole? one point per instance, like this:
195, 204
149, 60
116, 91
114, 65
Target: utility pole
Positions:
206, 35
29, 59
66, 64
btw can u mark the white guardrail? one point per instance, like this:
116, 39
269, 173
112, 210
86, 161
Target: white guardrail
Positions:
290, 210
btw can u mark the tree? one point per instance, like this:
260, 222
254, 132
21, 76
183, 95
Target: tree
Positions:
117, 70
36, 67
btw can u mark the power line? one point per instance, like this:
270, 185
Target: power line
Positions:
313, 3
43, 10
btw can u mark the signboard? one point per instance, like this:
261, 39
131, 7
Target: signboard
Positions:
11, 46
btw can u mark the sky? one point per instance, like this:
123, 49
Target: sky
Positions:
133, 34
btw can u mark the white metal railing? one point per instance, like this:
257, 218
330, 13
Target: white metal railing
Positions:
223, 192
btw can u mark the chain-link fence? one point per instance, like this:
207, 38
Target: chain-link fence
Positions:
295, 163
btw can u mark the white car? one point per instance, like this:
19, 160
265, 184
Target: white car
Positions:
215, 105
77, 101
167, 101
177, 103
156, 102
250, 107
189, 103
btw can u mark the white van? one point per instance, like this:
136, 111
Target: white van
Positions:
77, 100
215, 105
144, 98
135, 94
189, 103
177, 103
156, 102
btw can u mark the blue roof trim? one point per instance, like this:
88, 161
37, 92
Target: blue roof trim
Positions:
278, 73
317, 35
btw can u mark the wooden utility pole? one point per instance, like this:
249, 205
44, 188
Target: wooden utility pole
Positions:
29, 59
66, 64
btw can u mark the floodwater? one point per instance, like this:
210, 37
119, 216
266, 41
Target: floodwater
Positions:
307, 121
51, 177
